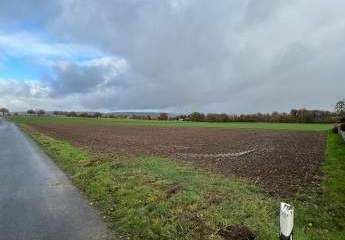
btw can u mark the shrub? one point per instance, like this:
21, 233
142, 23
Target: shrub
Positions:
335, 129
342, 120
342, 127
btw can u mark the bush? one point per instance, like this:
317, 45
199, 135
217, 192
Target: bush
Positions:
335, 129
342, 127
342, 120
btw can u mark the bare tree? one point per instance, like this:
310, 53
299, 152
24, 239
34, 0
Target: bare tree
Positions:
340, 109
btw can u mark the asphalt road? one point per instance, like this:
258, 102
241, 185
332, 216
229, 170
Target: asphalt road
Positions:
37, 201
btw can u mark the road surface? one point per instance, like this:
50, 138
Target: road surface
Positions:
37, 201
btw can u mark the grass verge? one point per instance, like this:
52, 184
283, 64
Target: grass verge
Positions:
322, 215
154, 198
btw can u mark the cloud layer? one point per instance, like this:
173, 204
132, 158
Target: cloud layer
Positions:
185, 55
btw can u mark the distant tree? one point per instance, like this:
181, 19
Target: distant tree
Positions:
163, 116
293, 115
84, 114
30, 111
59, 113
41, 112
216, 117
71, 114
181, 117
4, 111
197, 117
97, 114
340, 109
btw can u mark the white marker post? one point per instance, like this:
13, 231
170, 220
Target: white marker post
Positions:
286, 221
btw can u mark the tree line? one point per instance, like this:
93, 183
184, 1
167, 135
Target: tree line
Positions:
294, 116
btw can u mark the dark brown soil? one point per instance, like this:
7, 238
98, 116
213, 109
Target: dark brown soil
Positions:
282, 162
237, 232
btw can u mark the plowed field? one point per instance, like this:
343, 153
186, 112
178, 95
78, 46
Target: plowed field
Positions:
282, 162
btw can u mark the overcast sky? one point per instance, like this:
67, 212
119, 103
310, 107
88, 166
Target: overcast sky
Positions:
233, 56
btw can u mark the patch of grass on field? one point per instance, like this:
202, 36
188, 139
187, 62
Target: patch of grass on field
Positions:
322, 215
335, 168
155, 198
157, 123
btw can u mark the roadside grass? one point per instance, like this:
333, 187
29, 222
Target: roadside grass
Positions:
156, 198
158, 123
323, 213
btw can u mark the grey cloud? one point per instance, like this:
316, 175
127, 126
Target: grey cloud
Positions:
97, 74
26, 89
258, 11
27, 12
208, 53
230, 56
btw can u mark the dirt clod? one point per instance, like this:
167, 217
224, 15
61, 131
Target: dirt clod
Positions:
237, 232
173, 190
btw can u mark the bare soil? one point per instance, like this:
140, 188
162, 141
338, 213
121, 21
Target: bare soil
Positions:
282, 162
237, 232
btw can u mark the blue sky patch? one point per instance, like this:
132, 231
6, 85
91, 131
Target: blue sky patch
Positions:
20, 69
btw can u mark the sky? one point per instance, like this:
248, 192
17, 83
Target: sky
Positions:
232, 56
